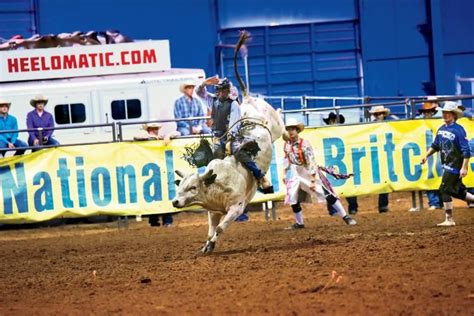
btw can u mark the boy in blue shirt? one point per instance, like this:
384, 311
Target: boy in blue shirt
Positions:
9, 141
451, 141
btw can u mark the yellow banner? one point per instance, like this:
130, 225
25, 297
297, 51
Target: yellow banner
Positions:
138, 178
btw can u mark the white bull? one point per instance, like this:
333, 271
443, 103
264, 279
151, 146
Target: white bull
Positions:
226, 187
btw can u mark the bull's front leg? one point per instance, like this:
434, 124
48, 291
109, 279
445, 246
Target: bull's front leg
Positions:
233, 212
213, 220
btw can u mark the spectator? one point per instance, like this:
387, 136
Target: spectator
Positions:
429, 110
352, 201
380, 114
40, 118
9, 122
151, 131
189, 106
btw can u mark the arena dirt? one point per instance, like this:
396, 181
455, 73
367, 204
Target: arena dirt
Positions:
397, 263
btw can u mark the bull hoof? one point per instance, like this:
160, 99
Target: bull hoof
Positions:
209, 247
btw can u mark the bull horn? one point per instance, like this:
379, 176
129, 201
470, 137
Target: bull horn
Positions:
206, 174
179, 173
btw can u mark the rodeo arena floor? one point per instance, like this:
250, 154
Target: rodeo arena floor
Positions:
397, 263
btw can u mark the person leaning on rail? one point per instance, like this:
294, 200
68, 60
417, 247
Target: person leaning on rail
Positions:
151, 131
40, 118
380, 114
428, 110
9, 141
351, 200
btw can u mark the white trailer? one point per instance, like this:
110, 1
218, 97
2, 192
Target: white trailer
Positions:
102, 99
94, 85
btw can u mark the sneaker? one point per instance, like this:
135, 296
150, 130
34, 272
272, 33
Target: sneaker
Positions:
470, 205
349, 220
432, 208
383, 210
295, 226
447, 222
414, 209
353, 212
167, 225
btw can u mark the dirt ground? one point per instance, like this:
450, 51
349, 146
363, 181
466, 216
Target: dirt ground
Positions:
397, 263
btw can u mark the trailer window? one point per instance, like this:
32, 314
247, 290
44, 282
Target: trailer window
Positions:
73, 113
126, 109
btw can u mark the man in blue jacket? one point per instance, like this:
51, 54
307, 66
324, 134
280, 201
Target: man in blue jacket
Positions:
451, 141
9, 141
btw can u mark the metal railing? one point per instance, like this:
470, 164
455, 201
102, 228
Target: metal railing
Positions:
410, 112
41, 131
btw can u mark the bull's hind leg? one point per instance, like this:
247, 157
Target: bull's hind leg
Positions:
213, 219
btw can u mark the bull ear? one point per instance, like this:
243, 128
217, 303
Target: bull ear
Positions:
177, 182
210, 180
179, 173
206, 174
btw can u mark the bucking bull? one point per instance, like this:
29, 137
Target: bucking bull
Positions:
226, 186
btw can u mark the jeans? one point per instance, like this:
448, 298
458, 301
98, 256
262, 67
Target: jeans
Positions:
353, 206
18, 144
154, 220
434, 198
186, 131
51, 142
383, 202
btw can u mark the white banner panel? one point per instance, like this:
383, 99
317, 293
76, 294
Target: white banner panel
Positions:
78, 61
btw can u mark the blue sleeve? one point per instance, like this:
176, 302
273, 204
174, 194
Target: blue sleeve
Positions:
29, 125
15, 127
234, 115
461, 139
177, 115
3, 138
435, 144
49, 132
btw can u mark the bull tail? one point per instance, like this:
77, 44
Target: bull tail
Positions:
244, 36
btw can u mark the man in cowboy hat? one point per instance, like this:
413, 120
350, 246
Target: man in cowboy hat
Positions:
429, 108
303, 177
151, 131
40, 118
380, 113
8, 122
225, 119
332, 119
351, 200
188, 106
451, 141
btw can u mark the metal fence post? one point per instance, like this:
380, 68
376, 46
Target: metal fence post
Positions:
114, 134
120, 135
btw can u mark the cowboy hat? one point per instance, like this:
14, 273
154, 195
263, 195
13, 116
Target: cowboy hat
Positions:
451, 106
3, 101
39, 98
146, 126
185, 84
333, 116
292, 122
430, 104
379, 109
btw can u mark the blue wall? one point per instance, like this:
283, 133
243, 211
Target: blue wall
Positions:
247, 13
189, 25
407, 47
